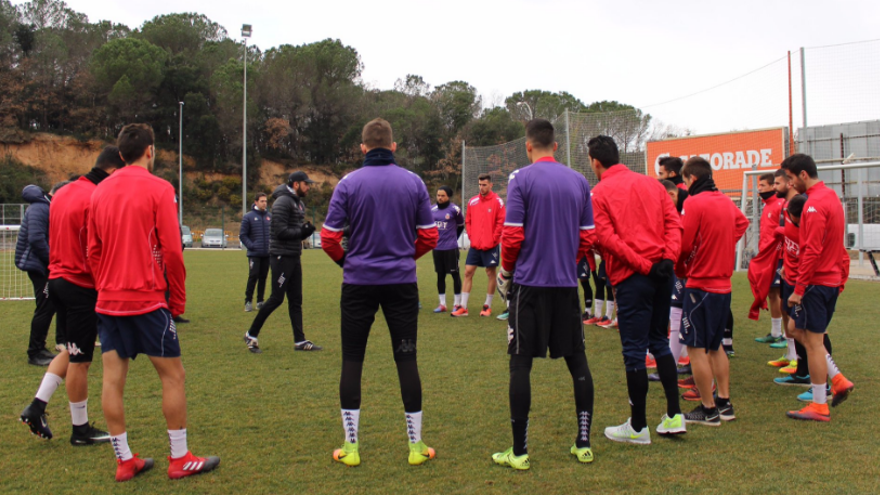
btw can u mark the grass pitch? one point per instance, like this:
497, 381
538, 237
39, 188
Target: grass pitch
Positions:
274, 418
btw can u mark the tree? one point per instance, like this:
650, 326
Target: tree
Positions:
182, 33
543, 104
140, 63
458, 104
495, 126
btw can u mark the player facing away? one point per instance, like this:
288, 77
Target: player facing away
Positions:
638, 233
134, 254
712, 225
819, 281
389, 212
484, 220
450, 225
72, 290
548, 227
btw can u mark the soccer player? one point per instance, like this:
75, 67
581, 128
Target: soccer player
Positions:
670, 169
768, 241
679, 351
450, 225
603, 286
484, 220
586, 269
32, 256
72, 291
254, 235
638, 233
818, 284
712, 226
549, 223
389, 210
288, 229
133, 247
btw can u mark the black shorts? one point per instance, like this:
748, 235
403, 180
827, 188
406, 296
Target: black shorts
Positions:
583, 269
785, 291
78, 305
488, 258
603, 275
153, 334
358, 307
816, 309
446, 261
703, 319
777, 278
542, 318
677, 292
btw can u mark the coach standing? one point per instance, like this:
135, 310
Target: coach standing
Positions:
288, 230
483, 220
639, 236
254, 235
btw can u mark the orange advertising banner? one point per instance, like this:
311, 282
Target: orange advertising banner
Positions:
730, 154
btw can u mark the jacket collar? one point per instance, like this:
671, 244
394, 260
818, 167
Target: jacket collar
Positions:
614, 170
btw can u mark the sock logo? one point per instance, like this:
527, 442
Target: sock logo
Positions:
406, 346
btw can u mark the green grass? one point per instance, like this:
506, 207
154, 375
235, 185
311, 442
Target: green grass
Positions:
274, 417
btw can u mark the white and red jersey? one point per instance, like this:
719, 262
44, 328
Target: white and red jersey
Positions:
134, 245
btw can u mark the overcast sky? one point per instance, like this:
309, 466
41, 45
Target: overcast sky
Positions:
636, 52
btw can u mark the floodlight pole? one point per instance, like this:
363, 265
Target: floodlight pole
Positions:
245, 34
180, 157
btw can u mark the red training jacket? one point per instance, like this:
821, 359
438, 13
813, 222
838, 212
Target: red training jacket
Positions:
484, 220
712, 227
67, 229
134, 244
791, 250
822, 228
636, 223
769, 224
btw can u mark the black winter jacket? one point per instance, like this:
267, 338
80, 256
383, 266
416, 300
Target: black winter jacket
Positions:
32, 248
254, 233
288, 215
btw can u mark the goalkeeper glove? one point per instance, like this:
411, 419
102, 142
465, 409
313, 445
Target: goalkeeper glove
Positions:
504, 279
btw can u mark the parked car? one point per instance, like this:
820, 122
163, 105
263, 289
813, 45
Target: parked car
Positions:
186, 236
214, 238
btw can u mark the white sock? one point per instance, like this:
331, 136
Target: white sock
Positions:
684, 351
727, 342
414, 426
776, 327
791, 354
489, 299
350, 420
650, 356
177, 440
820, 393
443, 300
457, 299
79, 413
120, 446
609, 309
600, 306
832, 366
675, 345
50, 383
464, 299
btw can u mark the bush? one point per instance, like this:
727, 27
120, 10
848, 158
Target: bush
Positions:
14, 175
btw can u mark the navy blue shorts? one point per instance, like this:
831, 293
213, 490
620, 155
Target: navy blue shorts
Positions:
816, 309
704, 316
488, 258
583, 268
777, 278
603, 275
153, 334
785, 291
678, 292
643, 316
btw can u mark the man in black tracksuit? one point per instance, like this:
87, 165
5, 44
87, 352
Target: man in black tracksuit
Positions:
287, 231
254, 235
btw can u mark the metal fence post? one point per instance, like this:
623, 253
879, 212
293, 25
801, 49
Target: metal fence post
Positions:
861, 216
567, 139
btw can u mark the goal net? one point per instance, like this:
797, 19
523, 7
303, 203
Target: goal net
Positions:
14, 283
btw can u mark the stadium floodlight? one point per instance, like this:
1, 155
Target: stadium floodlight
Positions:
529, 107
246, 30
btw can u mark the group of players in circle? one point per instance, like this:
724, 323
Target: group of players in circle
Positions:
667, 254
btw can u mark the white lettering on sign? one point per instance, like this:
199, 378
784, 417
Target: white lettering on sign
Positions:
729, 160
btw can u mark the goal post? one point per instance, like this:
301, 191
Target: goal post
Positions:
14, 283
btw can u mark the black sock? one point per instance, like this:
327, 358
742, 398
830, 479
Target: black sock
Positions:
350, 384
721, 401
520, 402
410, 385
583, 396
668, 372
37, 403
827, 343
637, 386
803, 367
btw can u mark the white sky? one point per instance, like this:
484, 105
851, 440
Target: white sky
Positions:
636, 52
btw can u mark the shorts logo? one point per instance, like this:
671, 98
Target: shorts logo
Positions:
173, 328
509, 334
73, 350
281, 280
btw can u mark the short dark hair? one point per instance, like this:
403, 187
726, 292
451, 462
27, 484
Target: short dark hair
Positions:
258, 196
484, 177
446, 189
671, 164
697, 167
540, 133
780, 173
109, 159
800, 162
768, 178
604, 149
669, 185
796, 205
377, 134
133, 141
